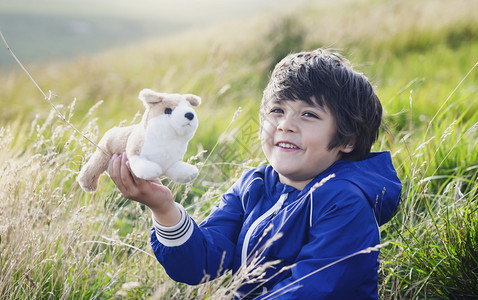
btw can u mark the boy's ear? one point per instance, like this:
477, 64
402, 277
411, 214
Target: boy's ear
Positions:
193, 99
149, 96
349, 147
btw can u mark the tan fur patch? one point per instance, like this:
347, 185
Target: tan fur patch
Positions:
157, 109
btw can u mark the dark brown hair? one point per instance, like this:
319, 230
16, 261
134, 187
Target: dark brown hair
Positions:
321, 77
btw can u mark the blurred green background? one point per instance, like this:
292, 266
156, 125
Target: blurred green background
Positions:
50, 30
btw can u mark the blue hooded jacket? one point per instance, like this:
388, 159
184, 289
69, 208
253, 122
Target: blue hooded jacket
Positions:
262, 220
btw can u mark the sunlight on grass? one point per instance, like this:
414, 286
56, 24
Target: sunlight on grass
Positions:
56, 241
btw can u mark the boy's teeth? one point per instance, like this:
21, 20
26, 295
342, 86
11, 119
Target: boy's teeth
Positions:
285, 145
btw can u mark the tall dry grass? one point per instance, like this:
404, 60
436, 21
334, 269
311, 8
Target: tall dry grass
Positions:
57, 242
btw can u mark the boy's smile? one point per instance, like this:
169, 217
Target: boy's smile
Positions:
295, 138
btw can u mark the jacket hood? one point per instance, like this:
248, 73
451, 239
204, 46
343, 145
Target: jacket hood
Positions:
375, 176
377, 179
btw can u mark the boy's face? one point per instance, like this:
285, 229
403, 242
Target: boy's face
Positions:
295, 138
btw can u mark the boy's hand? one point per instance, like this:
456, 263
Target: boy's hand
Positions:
150, 193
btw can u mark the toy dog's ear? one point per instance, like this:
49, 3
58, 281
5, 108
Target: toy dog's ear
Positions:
193, 99
150, 96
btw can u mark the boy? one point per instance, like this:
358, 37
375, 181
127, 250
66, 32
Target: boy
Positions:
319, 119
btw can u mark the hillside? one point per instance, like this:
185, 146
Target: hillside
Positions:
53, 30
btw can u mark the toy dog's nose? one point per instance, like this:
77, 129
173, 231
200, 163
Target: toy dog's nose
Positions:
189, 116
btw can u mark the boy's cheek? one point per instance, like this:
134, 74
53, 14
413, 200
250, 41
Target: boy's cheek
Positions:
269, 125
267, 134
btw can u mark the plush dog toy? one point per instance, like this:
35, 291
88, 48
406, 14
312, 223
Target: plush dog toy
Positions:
155, 146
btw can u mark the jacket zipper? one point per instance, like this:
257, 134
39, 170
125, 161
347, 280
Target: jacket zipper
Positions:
271, 212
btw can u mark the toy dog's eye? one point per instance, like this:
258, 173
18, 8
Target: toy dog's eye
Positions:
168, 111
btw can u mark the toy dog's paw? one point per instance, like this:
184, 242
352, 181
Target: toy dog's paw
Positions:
148, 174
188, 177
182, 172
145, 169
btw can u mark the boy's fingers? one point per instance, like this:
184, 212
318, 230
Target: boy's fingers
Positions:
157, 185
136, 180
116, 173
126, 177
111, 168
129, 185
139, 182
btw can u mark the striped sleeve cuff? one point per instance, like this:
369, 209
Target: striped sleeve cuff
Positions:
176, 235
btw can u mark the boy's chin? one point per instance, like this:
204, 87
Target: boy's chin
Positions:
298, 182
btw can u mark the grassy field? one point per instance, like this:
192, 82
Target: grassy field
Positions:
58, 242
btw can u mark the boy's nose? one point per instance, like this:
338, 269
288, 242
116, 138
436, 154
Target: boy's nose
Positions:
286, 123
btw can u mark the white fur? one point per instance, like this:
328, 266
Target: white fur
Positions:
165, 143
156, 146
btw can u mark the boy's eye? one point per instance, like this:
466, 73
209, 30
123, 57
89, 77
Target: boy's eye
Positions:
311, 115
276, 111
168, 111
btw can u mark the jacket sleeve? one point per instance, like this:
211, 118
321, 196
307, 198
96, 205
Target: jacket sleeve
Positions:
322, 270
192, 254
